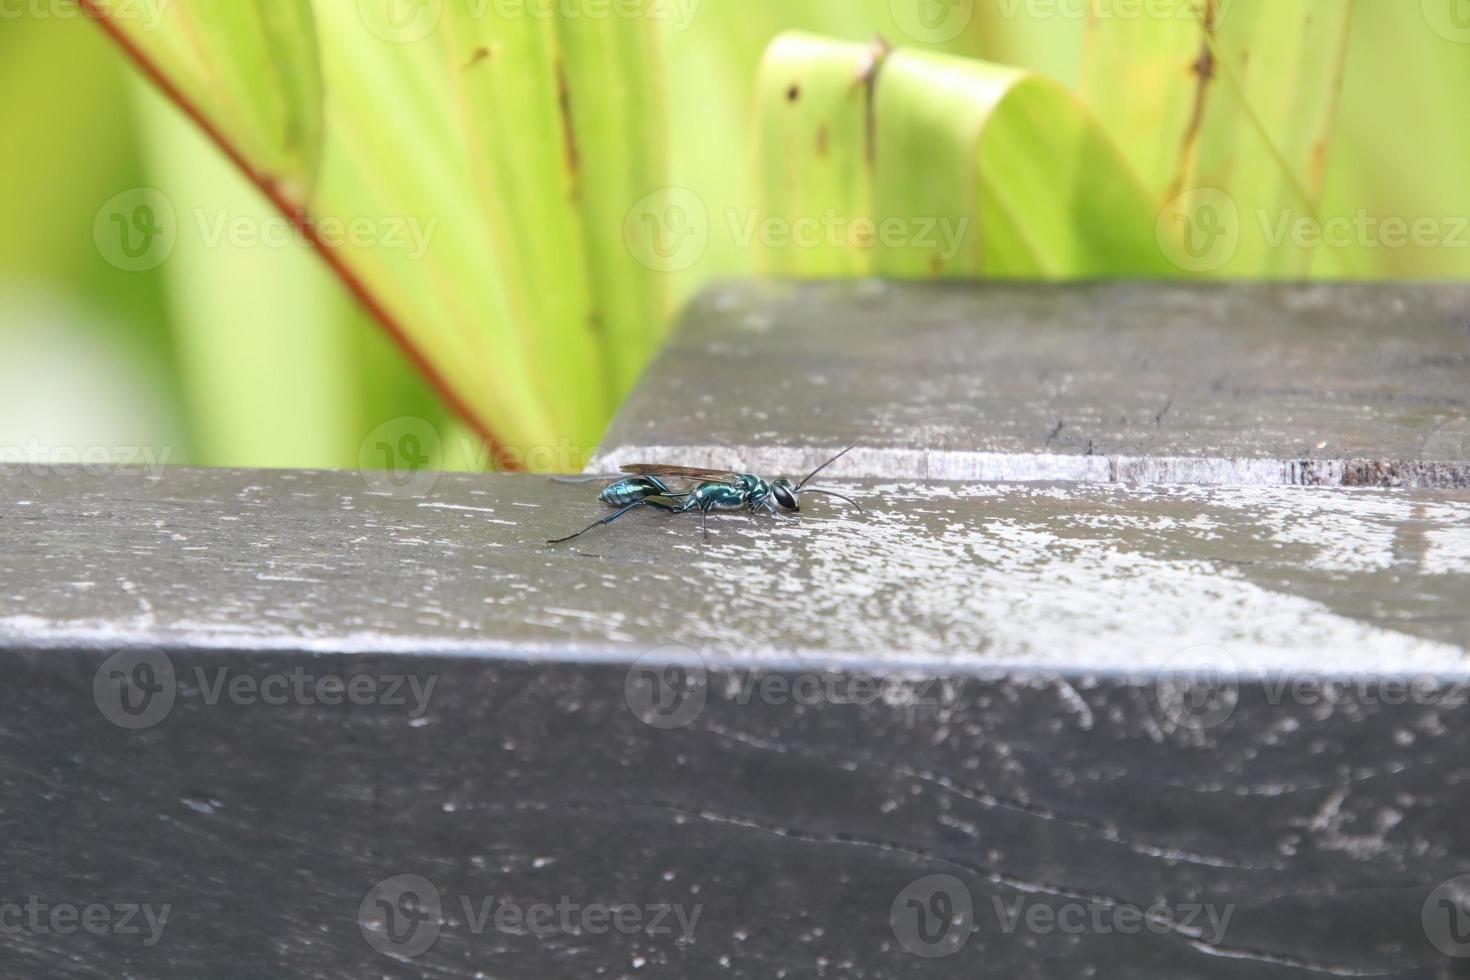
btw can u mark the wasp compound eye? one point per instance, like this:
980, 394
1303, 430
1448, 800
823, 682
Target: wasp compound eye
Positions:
785, 497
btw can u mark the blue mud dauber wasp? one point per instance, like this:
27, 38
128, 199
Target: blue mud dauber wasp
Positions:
648, 485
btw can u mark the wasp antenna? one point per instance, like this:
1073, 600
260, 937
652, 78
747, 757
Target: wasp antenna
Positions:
825, 465
830, 493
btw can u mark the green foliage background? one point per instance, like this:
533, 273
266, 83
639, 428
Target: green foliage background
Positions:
255, 356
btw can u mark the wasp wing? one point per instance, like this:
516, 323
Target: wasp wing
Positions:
683, 473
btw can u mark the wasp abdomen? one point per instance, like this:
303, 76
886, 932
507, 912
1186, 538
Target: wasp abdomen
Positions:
632, 490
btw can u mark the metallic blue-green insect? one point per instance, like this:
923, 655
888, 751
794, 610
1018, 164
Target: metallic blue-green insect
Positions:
649, 485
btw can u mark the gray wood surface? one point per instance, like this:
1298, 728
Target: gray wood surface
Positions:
1177, 716
1109, 724
1021, 575
1181, 383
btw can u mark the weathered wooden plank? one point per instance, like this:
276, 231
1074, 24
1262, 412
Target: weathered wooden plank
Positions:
1340, 384
982, 575
1110, 705
1288, 840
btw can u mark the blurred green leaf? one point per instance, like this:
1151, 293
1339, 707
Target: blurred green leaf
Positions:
1226, 109
268, 344
250, 66
531, 276
613, 96
498, 264
813, 145
1397, 173
975, 170
72, 149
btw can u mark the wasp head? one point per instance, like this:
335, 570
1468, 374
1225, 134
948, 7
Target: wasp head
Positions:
785, 494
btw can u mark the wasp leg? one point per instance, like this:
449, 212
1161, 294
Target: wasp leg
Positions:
769, 507
596, 524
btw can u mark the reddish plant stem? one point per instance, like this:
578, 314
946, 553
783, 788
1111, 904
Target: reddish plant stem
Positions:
301, 220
